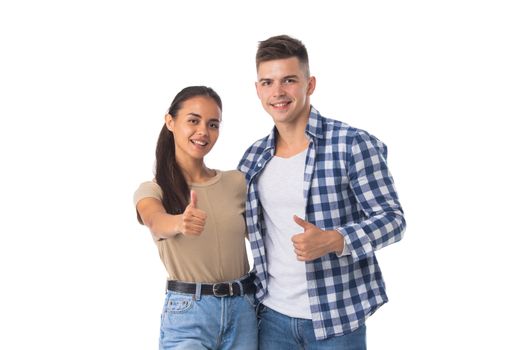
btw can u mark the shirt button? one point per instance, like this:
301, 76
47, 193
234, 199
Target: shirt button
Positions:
259, 165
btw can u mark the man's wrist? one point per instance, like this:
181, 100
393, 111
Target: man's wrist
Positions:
339, 242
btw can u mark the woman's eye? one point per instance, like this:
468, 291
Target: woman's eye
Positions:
193, 121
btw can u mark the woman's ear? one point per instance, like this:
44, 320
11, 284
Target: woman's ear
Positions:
168, 119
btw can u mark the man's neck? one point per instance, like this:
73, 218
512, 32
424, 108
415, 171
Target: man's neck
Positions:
291, 138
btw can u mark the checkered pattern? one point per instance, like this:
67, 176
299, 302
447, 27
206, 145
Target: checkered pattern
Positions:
348, 188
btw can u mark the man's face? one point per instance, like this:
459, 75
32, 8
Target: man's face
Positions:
284, 90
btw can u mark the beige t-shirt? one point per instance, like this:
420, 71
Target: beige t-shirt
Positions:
219, 253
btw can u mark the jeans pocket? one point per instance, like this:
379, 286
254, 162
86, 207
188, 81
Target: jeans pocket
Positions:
250, 298
179, 303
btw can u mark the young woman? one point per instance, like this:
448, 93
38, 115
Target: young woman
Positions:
196, 217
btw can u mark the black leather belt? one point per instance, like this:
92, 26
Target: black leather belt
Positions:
222, 289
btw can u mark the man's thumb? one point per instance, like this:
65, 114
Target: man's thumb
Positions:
304, 224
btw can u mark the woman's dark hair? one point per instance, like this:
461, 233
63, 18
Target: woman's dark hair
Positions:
168, 174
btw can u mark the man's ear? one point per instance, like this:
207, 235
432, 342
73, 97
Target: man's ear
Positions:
311, 85
168, 120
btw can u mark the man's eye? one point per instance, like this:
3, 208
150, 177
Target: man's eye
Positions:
214, 125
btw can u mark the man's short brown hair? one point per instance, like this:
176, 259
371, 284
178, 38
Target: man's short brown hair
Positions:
282, 47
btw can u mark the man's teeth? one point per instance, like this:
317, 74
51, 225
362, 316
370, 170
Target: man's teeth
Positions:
282, 104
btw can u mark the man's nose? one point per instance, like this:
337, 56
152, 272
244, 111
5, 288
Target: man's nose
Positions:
278, 89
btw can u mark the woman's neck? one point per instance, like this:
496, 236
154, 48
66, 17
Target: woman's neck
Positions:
195, 171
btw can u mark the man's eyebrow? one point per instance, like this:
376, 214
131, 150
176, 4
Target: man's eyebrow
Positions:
292, 76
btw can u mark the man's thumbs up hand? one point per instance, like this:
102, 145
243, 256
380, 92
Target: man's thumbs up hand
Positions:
314, 242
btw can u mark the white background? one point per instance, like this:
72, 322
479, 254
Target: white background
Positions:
83, 90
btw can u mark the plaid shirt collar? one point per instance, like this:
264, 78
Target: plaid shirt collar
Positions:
314, 129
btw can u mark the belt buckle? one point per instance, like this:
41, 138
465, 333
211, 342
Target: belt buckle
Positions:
215, 290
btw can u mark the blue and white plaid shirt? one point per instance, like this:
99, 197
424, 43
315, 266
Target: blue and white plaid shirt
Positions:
347, 187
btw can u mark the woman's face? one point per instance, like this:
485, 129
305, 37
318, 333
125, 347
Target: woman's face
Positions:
195, 127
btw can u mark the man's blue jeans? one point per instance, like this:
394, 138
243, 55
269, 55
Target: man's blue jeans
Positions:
278, 331
208, 322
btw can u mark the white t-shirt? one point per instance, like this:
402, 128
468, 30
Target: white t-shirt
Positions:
281, 194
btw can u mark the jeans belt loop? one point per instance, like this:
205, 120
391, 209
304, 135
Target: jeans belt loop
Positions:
240, 287
198, 291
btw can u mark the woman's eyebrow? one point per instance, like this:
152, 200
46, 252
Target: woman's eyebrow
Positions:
194, 114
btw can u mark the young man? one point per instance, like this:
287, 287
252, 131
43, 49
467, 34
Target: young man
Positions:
318, 279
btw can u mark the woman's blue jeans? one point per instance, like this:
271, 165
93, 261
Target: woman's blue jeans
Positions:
208, 322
